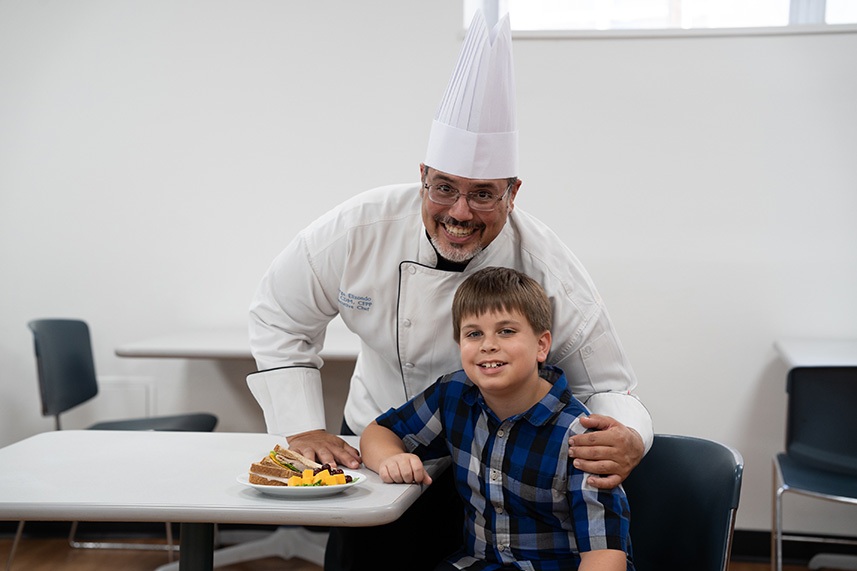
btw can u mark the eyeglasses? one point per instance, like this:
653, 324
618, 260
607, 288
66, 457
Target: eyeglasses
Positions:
482, 200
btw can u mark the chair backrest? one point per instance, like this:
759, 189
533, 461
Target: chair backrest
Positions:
821, 420
66, 369
683, 498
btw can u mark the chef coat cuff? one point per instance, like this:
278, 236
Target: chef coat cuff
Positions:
291, 399
628, 410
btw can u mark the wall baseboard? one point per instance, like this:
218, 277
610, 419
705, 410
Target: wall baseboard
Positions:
754, 546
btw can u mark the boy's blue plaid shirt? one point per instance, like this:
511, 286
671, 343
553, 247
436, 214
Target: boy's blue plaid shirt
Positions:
525, 501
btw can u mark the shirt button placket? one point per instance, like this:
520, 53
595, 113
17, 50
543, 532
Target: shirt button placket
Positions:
503, 530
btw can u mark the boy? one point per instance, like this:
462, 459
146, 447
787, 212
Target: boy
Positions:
505, 420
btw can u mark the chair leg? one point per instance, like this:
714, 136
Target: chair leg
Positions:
776, 533
15, 543
777, 524
71, 533
170, 549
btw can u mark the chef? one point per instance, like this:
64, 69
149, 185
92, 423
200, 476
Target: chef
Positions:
389, 260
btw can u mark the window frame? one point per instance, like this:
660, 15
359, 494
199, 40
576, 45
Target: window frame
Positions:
805, 17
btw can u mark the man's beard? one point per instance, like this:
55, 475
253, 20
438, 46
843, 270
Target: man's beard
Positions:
453, 254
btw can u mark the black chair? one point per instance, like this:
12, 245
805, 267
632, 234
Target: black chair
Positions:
684, 497
820, 459
66, 373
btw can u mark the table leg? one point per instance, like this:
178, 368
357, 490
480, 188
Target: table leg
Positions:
197, 547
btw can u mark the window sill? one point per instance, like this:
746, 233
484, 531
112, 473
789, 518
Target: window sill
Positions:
683, 33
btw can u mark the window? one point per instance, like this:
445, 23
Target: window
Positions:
575, 15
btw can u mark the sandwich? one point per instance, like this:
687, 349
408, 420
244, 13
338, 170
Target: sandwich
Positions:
278, 466
284, 467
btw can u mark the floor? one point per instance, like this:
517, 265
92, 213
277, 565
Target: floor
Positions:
54, 554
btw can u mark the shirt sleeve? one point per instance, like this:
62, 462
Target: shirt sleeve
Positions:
291, 399
290, 311
601, 517
627, 409
419, 424
289, 315
600, 376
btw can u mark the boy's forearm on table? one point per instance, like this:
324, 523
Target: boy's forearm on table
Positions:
378, 443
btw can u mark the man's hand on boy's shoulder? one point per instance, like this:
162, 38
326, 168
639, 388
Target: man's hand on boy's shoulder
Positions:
610, 450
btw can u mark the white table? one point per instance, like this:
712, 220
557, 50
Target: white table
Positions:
89, 475
230, 343
797, 352
340, 351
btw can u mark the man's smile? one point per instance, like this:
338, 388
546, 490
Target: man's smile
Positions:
457, 229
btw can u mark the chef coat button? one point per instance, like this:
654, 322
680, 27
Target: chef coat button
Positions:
406, 322
587, 350
409, 365
412, 270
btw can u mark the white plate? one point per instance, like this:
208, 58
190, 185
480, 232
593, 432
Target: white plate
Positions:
303, 491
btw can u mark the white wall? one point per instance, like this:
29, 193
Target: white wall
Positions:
156, 155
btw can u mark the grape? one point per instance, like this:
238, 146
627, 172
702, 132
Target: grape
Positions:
332, 471
321, 469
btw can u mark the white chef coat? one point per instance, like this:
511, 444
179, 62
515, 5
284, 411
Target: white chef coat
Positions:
369, 260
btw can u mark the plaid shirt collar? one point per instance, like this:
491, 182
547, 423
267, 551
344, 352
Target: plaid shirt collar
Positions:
543, 411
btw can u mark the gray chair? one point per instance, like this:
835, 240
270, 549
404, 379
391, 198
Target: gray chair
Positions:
66, 374
820, 458
683, 498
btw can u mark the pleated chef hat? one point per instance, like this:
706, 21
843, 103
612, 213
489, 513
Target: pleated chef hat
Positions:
474, 133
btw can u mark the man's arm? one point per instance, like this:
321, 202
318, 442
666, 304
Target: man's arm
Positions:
288, 317
601, 377
291, 401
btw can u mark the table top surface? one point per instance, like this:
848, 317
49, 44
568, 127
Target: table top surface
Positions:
188, 477
799, 352
229, 343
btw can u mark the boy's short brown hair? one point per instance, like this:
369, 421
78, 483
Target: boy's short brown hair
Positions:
502, 289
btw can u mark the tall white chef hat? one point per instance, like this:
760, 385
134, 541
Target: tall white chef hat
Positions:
474, 133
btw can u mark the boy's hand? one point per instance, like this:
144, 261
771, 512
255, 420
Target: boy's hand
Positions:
611, 450
403, 469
